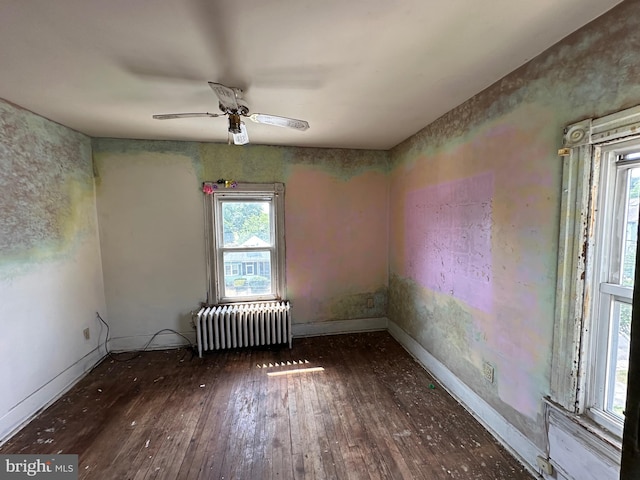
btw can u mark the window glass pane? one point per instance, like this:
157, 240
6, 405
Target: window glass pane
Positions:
246, 224
630, 227
618, 358
245, 281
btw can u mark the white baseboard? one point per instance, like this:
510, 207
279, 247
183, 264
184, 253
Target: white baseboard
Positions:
47, 394
161, 341
173, 340
339, 326
510, 437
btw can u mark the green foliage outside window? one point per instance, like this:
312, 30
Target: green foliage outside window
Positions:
243, 220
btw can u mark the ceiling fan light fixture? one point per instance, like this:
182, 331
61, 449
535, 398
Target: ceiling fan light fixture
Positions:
241, 138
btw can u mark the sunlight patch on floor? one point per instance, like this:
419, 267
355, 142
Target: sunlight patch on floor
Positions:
295, 371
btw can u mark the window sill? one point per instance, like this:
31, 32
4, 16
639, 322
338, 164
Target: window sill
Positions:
597, 439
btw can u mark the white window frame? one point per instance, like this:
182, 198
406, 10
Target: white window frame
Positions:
274, 192
606, 272
589, 148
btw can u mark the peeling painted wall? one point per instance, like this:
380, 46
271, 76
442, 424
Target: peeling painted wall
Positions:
448, 230
152, 229
47, 189
509, 134
50, 267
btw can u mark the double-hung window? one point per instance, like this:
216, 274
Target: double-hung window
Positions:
245, 242
613, 274
597, 249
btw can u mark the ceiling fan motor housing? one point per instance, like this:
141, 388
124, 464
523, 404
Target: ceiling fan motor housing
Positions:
234, 123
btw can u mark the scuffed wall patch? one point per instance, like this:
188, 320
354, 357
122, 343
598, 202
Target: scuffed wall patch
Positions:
448, 235
46, 185
360, 305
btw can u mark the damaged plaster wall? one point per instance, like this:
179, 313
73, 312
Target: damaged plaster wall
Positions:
150, 213
50, 267
474, 214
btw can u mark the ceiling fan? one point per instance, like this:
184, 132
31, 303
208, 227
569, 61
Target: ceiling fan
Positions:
233, 105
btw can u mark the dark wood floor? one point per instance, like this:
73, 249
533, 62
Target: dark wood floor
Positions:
371, 413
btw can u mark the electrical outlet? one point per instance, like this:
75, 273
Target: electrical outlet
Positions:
369, 302
544, 465
87, 333
487, 371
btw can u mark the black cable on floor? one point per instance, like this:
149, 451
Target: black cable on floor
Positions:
136, 353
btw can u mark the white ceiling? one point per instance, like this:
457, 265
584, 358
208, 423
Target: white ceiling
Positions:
363, 73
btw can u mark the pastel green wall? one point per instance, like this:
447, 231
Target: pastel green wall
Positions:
511, 133
50, 266
152, 234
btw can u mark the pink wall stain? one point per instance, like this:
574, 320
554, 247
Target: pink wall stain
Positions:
336, 238
448, 232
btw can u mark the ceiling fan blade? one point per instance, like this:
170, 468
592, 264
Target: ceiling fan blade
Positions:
241, 138
226, 95
279, 121
170, 116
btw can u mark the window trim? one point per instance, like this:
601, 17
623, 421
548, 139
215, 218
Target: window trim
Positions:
215, 294
581, 153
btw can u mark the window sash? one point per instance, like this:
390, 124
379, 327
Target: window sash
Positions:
604, 349
221, 199
610, 231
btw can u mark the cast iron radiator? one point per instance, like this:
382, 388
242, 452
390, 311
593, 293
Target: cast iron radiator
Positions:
238, 325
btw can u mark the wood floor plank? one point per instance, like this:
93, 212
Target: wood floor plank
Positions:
222, 405
180, 419
248, 407
238, 416
390, 427
331, 425
259, 462
302, 467
138, 403
283, 432
205, 437
311, 434
372, 413
341, 454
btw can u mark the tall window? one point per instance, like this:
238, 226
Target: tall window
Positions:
616, 226
246, 229
597, 249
